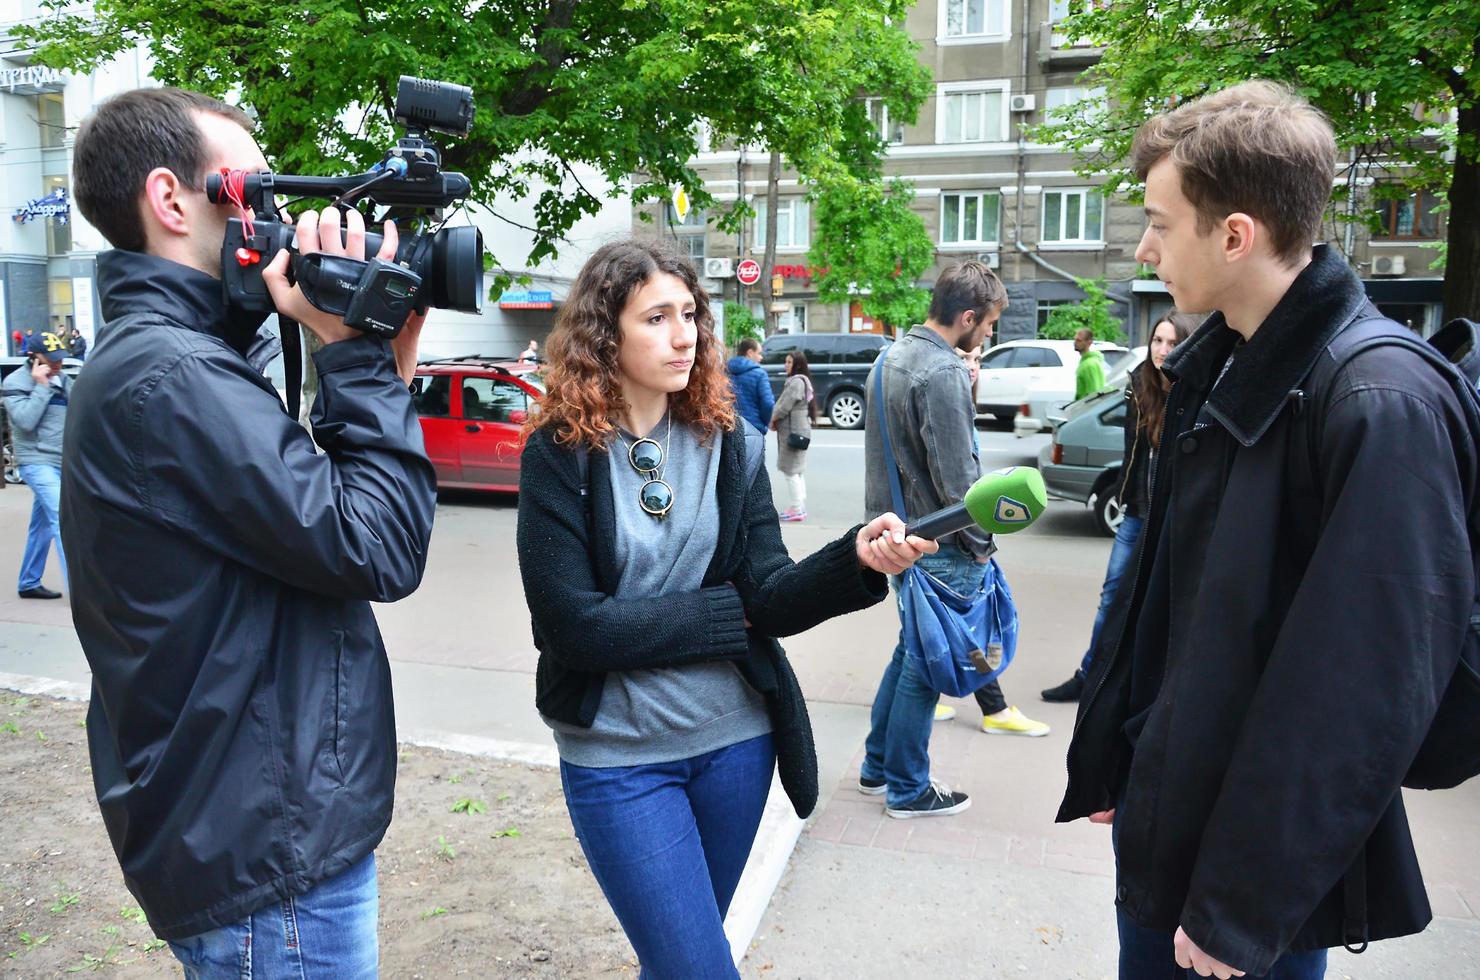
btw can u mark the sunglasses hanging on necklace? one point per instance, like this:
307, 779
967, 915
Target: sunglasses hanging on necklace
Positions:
647, 458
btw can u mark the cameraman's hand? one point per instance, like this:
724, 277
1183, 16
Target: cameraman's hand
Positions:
404, 346
319, 232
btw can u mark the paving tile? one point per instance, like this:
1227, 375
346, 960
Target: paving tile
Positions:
827, 826
1103, 867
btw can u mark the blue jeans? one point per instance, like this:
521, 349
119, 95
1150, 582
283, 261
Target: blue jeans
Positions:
1146, 954
45, 482
328, 932
898, 746
666, 843
1121, 553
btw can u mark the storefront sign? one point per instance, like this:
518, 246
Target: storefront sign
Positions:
54, 205
31, 76
527, 299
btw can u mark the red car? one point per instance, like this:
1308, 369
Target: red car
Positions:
472, 410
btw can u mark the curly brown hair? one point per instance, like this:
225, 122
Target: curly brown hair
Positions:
583, 390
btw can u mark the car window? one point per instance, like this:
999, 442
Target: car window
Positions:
492, 399
431, 394
1031, 357
1001, 357
775, 349
1115, 415
819, 350
866, 352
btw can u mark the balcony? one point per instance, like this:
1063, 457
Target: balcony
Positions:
1056, 52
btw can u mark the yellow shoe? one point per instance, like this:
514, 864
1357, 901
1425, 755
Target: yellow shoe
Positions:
1013, 722
944, 712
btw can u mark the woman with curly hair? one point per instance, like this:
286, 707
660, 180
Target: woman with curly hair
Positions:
656, 579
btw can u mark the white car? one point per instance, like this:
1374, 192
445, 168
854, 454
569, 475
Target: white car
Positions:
1045, 409
1046, 367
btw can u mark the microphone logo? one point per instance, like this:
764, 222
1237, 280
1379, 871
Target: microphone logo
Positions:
1010, 511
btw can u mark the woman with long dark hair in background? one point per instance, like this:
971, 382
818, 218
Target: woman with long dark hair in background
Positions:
1146, 401
792, 418
656, 578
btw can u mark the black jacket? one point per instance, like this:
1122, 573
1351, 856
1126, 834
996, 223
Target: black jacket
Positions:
242, 737
583, 629
1135, 471
1285, 656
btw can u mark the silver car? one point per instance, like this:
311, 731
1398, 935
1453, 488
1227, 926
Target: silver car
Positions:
1084, 460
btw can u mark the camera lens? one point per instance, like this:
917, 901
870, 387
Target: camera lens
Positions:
457, 269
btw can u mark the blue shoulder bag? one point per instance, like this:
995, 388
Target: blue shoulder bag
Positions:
959, 643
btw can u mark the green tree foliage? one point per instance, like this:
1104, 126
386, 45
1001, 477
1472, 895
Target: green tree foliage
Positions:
616, 84
1092, 312
1399, 79
741, 323
869, 246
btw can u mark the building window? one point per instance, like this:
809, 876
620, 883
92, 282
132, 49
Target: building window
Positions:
1046, 307
1058, 98
58, 231
888, 130
794, 320
51, 120
694, 220
971, 114
1072, 217
791, 224
1409, 217
692, 248
972, 20
969, 219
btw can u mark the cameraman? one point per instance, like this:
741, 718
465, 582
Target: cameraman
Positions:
241, 730
36, 401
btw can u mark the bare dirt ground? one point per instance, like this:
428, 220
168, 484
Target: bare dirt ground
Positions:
480, 874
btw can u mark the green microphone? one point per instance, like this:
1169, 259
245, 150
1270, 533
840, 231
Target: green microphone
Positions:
1001, 502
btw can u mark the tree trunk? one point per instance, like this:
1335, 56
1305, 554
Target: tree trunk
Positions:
768, 267
1462, 264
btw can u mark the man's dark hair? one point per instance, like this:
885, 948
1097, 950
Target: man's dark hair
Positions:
127, 137
746, 346
966, 286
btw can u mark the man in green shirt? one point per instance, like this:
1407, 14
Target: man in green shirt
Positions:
1090, 377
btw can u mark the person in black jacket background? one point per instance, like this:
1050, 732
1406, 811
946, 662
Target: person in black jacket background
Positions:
656, 578
1146, 399
241, 730
1284, 649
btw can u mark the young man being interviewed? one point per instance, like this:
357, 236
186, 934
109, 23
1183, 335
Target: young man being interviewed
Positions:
1280, 653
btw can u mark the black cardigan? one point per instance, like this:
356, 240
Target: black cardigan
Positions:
583, 629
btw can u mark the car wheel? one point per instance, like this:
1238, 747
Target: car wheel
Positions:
1108, 512
846, 410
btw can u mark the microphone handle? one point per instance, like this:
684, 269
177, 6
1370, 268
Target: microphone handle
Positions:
948, 520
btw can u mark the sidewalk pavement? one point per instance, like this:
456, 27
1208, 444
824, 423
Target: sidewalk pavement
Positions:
997, 891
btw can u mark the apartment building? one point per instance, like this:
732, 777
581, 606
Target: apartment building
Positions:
984, 191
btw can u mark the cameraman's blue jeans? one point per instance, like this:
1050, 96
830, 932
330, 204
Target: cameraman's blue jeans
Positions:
45, 530
327, 933
666, 843
1121, 553
898, 746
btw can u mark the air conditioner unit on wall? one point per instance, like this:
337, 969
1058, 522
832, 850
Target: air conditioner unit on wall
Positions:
1022, 103
992, 260
1389, 265
718, 268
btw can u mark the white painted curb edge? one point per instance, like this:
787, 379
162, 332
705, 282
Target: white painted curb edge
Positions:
528, 753
50, 687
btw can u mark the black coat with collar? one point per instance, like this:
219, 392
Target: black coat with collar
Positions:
584, 628
1307, 641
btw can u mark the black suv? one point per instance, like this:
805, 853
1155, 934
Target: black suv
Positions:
839, 363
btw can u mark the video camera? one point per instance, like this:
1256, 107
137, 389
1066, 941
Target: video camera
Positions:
443, 268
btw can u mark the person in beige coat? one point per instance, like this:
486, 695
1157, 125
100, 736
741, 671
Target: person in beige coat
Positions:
792, 417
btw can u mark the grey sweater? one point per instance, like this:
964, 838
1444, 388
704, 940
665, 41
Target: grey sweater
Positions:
38, 412
663, 715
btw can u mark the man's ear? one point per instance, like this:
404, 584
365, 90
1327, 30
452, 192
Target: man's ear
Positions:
164, 203
1241, 234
